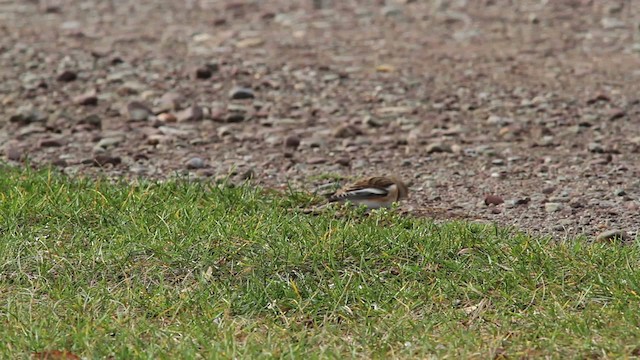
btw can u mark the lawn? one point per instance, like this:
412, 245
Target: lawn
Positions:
185, 269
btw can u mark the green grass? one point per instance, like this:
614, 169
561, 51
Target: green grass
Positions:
189, 270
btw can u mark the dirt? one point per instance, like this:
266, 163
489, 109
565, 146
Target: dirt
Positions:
522, 113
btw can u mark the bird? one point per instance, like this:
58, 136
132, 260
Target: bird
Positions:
374, 192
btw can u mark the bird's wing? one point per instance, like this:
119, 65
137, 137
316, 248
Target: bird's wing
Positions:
360, 194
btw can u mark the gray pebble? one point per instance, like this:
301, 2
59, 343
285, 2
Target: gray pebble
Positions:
620, 192
438, 148
595, 148
195, 163
137, 111
240, 93
552, 207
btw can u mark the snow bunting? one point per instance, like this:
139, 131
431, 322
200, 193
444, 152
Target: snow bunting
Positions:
373, 192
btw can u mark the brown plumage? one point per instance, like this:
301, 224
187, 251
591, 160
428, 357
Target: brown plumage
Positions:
373, 192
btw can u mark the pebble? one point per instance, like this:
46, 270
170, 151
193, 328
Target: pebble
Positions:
27, 115
224, 131
486, 150
438, 148
346, 131
493, 200
195, 163
615, 114
193, 113
236, 113
316, 160
49, 143
248, 174
612, 235
249, 42
137, 111
292, 141
344, 161
93, 120
103, 159
131, 88
167, 118
14, 153
86, 99
497, 162
170, 101
241, 93
619, 192
313, 142
67, 76
595, 148
370, 121
552, 207
109, 142
234, 117
203, 73
171, 131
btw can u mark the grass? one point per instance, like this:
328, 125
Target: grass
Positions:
194, 270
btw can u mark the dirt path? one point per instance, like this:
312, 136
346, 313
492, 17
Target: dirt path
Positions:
535, 103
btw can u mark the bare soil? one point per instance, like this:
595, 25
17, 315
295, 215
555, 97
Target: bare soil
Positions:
535, 103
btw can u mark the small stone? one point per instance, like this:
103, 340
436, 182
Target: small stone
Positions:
241, 93
14, 153
292, 141
249, 174
611, 235
195, 163
548, 190
167, 118
273, 140
313, 142
93, 120
27, 115
523, 201
486, 150
67, 76
137, 111
50, 143
493, 200
615, 114
552, 207
60, 163
250, 42
620, 192
234, 117
110, 142
370, 121
385, 68
438, 148
103, 159
170, 101
193, 113
576, 204
131, 88
595, 148
497, 162
204, 72
224, 131
316, 160
86, 99
346, 131
344, 161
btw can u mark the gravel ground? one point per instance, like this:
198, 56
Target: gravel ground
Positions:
523, 113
